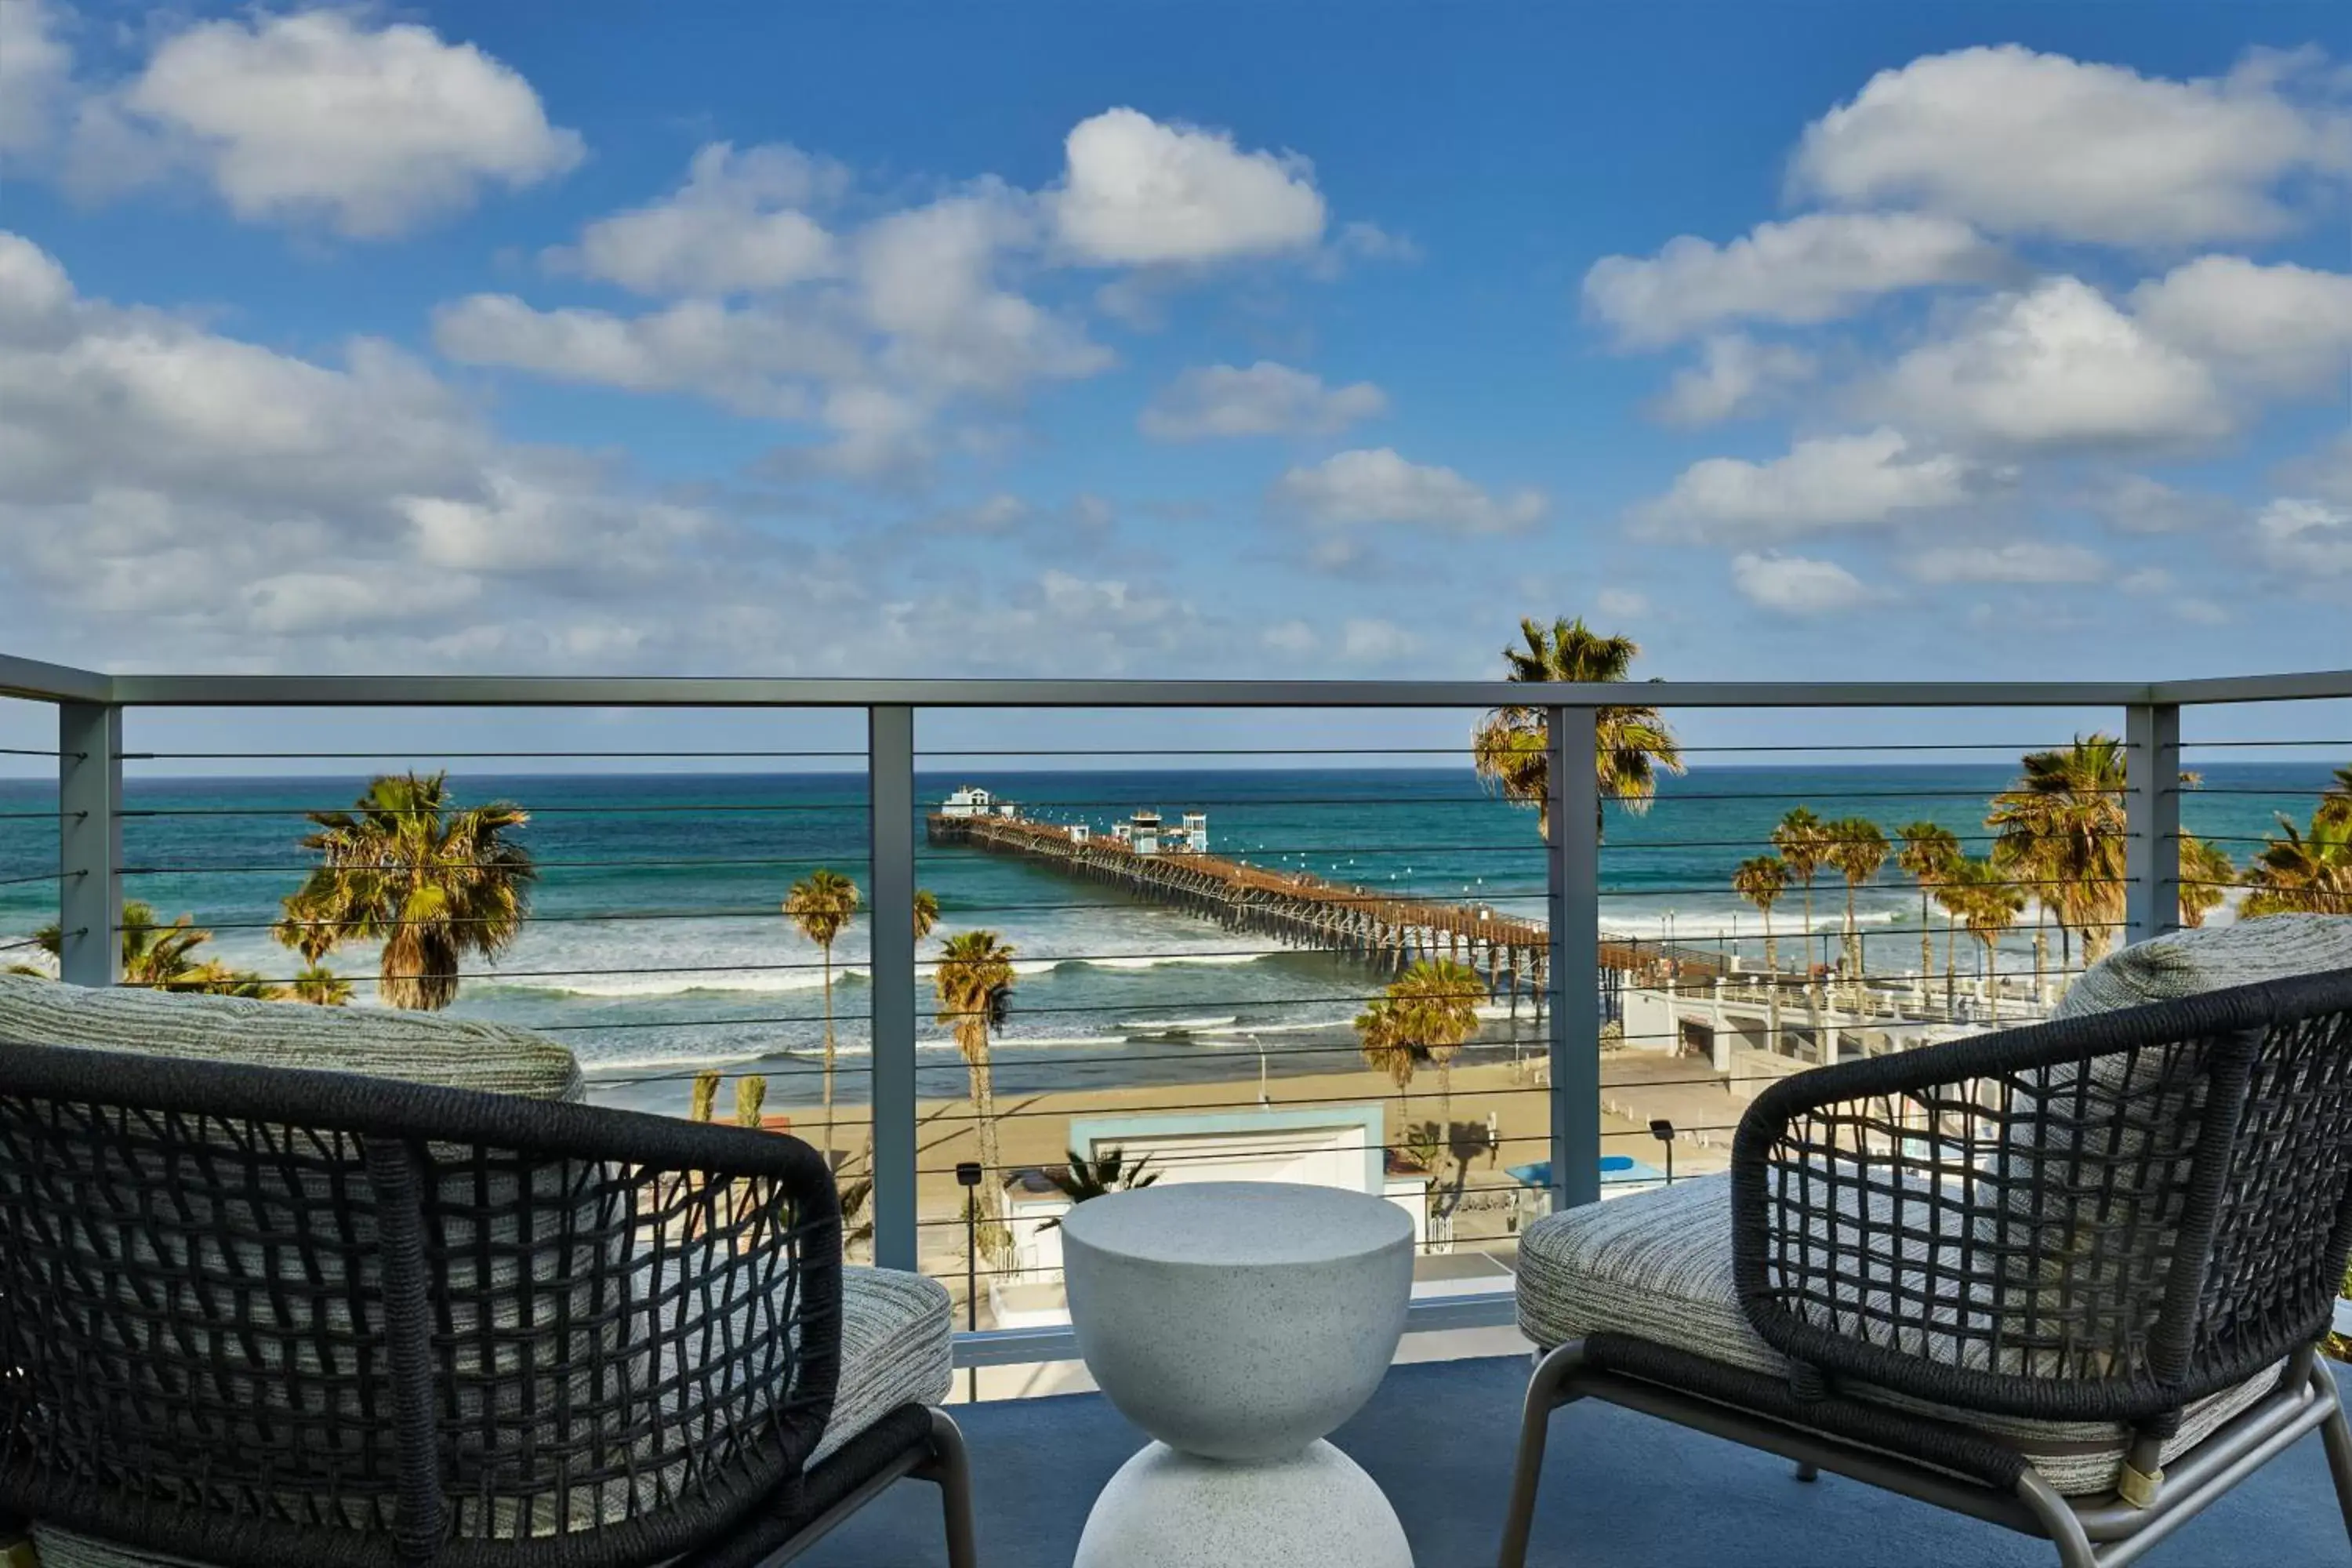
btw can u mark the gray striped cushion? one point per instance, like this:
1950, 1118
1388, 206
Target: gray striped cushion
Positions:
2210, 958
898, 1345
381, 1042
1657, 1265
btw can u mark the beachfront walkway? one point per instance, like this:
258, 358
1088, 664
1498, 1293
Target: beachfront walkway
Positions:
1622, 1491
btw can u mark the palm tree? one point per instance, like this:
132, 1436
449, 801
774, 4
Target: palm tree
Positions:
1802, 841
433, 881
820, 907
1510, 747
927, 912
321, 986
1857, 849
164, 957
2306, 873
2063, 821
1424, 1019
1990, 905
1927, 852
1760, 880
2207, 873
973, 984
1083, 1179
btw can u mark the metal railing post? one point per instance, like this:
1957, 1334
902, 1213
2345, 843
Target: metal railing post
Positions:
890, 823
1572, 885
2151, 820
89, 842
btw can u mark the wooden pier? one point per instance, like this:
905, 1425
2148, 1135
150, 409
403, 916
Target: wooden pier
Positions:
1383, 930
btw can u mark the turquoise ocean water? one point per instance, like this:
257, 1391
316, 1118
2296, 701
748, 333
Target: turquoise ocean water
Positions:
656, 943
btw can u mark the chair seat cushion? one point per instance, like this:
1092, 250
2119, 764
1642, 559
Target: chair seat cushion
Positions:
2210, 958
1657, 1265
379, 1042
896, 1349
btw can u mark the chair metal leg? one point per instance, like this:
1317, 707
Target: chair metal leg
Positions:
2065, 1530
1808, 1471
1551, 1375
2337, 1434
951, 1467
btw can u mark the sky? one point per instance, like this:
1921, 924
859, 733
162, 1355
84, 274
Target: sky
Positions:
1799, 341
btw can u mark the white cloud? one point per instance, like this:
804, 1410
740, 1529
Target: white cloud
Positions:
2021, 143
736, 224
1375, 485
2325, 473
189, 489
1264, 399
2134, 503
1735, 374
1137, 191
170, 494
2283, 328
1359, 640
1816, 267
2306, 538
1793, 585
918, 321
1622, 604
1833, 482
316, 117
927, 282
2201, 612
2147, 580
1291, 636
752, 359
2056, 367
36, 67
2022, 562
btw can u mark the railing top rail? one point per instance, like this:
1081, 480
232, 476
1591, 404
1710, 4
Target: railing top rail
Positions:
52, 682
27, 677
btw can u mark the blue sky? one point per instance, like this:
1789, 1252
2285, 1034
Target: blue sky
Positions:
1148, 340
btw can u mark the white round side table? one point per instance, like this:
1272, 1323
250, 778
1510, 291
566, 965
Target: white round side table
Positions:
1239, 1323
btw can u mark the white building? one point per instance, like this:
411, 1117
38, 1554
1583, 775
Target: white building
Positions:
970, 801
1196, 832
1143, 832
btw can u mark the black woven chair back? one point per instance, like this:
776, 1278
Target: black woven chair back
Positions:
2100, 1219
251, 1316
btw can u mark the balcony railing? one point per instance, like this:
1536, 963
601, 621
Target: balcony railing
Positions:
1602, 1017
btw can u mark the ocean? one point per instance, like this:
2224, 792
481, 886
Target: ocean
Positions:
656, 943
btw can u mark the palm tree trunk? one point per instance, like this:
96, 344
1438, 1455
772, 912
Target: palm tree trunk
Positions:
1927, 948
1852, 942
1772, 983
2040, 959
1951, 962
983, 1116
1990, 983
827, 950
1821, 1051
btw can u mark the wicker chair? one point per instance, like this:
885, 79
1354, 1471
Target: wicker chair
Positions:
253, 1316
2067, 1278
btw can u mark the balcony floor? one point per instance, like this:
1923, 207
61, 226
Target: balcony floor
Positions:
1621, 1490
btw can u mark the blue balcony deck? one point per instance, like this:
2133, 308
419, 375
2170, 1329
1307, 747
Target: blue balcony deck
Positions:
1621, 1490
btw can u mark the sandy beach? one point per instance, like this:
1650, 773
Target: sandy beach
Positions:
1033, 1131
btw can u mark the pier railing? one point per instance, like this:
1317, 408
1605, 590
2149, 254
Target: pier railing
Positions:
1626, 1012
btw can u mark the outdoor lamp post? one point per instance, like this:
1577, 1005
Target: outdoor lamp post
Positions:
1663, 1131
967, 1173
